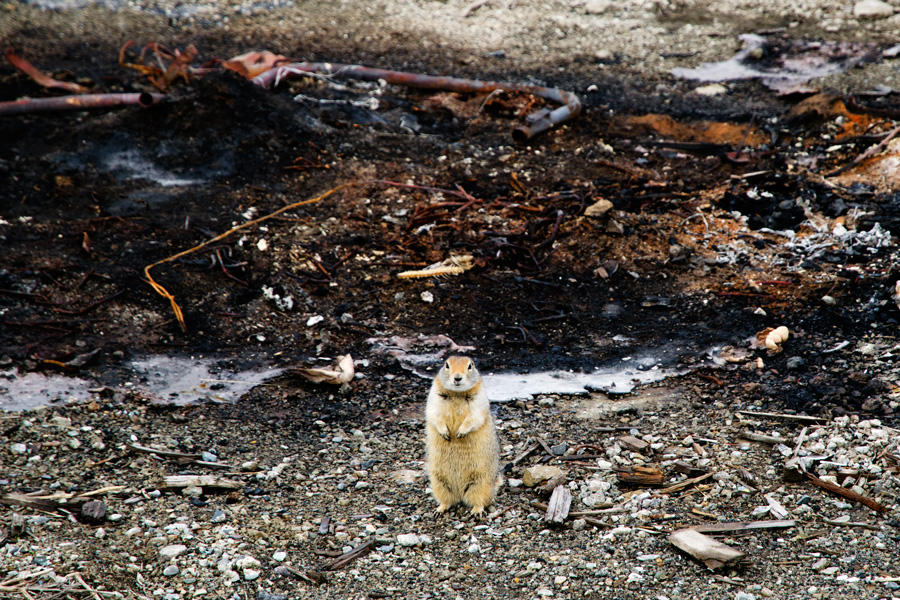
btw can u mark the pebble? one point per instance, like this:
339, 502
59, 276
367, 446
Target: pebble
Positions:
408, 539
559, 449
535, 475
173, 550
279, 556
872, 9
18, 448
251, 574
170, 570
132, 531
219, 516
209, 457
713, 89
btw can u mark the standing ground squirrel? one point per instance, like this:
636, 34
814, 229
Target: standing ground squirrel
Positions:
462, 453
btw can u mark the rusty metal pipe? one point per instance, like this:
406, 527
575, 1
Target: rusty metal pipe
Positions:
79, 102
537, 122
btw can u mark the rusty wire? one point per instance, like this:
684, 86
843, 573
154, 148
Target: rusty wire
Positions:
537, 122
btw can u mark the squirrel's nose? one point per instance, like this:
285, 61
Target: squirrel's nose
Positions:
457, 378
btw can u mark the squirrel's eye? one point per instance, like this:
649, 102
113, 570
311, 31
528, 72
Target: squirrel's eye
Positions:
447, 365
471, 365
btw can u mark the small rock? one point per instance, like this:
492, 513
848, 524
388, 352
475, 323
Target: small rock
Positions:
598, 209
18, 448
795, 362
596, 7
872, 9
559, 449
132, 531
713, 89
537, 474
100, 533
579, 525
514, 483
209, 457
408, 539
219, 516
279, 556
251, 574
427, 297
250, 465
172, 551
170, 570
744, 596
192, 491
61, 422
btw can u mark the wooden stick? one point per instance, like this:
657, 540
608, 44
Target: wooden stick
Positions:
348, 557
744, 526
765, 439
686, 483
844, 492
801, 418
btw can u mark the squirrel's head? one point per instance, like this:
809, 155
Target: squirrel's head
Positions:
458, 374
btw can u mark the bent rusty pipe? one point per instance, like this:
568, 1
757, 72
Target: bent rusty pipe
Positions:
79, 102
537, 122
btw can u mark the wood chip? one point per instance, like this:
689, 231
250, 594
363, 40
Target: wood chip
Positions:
551, 484
765, 439
685, 484
558, 507
646, 476
711, 552
633, 443
688, 469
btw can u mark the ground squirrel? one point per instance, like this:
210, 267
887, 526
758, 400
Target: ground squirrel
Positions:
462, 453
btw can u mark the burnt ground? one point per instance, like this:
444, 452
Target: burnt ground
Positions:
692, 255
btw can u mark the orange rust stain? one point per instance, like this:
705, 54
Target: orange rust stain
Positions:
715, 132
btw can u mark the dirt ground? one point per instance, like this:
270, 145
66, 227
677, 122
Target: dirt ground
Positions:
724, 215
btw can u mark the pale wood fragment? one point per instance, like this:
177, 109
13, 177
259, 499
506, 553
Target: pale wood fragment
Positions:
711, 552
558, 507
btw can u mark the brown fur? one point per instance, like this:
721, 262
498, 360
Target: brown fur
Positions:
462, 451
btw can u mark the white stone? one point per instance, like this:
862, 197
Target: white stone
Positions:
18, 448
713, 89
279, 556
172, 551
872, 9
251, 574
408, 539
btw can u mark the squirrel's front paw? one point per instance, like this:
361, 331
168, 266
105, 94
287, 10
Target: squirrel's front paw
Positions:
461, 434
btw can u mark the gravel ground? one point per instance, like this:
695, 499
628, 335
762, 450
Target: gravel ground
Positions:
306, 487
